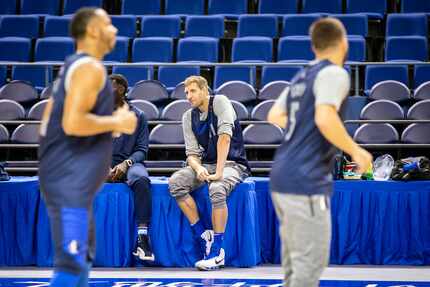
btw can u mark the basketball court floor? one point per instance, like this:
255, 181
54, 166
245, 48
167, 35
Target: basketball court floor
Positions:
262, 276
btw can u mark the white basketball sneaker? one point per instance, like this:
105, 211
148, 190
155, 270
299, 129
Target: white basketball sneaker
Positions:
213, 261
207, 239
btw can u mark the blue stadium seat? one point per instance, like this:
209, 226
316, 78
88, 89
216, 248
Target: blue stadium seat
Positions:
373, 9
295, 48
260, 111
226, 74
240, 109
254, 49
318, 6
421, 75
161, 26
3, 73
53, 48
205, 26
19, 91
36, 75
357, 48
11, 110
229, 8
262, 134
150, 90
120, 52
47, 7
382, 110
26, 133
416, 134
8, 7
4, 134
70, 6
185, 7
376, 134
415, 6
422, 92
166, 134
19, 26
378, 73
271, 74
406, 25
149, 109
238, 91
272, 90
298, 25
139, 7
411, 48
277, 7
133, 74
202, 49
15, 49
351, 110
390, 90
153, 49
172, 76
420, 111
126, 25
258, 25
57, 26
355, 24
175, 110
36, 111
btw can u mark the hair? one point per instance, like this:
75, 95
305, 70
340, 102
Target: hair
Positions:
326, 33
199, 80
119, 79
79, 23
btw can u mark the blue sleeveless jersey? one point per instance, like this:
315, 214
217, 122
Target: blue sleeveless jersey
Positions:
69, 162
207, 136
304, 160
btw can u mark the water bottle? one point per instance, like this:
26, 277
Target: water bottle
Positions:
382, 167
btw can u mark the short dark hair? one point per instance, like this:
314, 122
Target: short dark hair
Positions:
326, 33
119, 79
79, 23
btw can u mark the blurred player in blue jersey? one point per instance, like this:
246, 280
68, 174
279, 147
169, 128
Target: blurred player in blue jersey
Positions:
301, 180
76, 145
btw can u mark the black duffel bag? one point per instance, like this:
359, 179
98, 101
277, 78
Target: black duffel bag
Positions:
411, 168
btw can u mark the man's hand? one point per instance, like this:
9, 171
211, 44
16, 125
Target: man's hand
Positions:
363, 159
202, 173
214, 177
118, 172
126, 121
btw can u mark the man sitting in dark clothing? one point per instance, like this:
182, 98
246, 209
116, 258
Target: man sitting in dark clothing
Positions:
129, 153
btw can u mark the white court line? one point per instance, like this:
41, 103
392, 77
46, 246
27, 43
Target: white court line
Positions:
352, 273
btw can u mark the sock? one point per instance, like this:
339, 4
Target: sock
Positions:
142, 230
198, 229
216, 246
64, 279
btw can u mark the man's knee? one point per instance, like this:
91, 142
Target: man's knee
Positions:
180, 184
218, 195
142, 185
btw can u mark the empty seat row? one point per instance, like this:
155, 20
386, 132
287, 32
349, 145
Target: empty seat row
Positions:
229, 7
213, 26
170, 26
393, 78
417, 133
45, 7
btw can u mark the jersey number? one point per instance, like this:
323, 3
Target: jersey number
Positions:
294, 108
